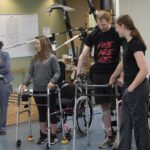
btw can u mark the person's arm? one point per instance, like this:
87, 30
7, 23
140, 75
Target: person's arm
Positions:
120, 80
82, 58
56, 68
6, 68
143, 70
117, 72
29, 74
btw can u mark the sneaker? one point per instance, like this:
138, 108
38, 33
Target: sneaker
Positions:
106, 142
43, 138
54, 139
115, 144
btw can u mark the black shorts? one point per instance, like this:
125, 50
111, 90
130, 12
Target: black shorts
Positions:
102, 79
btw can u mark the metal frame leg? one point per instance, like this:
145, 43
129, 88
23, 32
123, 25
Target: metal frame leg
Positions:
18, 112
61, 115
118, 103
29, 121
74, 119
48, 115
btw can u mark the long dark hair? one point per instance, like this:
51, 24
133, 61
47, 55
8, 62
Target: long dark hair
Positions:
46, 49
129, 24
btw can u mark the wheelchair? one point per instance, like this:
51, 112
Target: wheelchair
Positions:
67, 91
68, 101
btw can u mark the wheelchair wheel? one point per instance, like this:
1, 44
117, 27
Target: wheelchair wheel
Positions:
84, 115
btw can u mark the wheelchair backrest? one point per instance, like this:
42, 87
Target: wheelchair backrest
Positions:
62, 72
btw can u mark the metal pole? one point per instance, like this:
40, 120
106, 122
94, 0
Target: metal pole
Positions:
48, 114
68, 26
74, 119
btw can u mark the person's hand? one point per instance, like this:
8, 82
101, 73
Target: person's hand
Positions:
130, 89
112, 80
120, 82
23, 88
75, 81
50, 85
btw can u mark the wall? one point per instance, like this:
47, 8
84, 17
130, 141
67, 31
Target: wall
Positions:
56, 23
19, 65
35, 6
140, 12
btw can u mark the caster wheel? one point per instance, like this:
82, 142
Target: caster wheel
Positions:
30, 138
64, 141
18, 144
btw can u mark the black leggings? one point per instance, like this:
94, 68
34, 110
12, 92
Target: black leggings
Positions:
42, 106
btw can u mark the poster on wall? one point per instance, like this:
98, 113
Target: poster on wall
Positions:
46, 31
15, 31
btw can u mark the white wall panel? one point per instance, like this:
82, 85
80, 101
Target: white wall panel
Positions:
140, 12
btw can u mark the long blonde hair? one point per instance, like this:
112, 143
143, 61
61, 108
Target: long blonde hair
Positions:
46, 49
